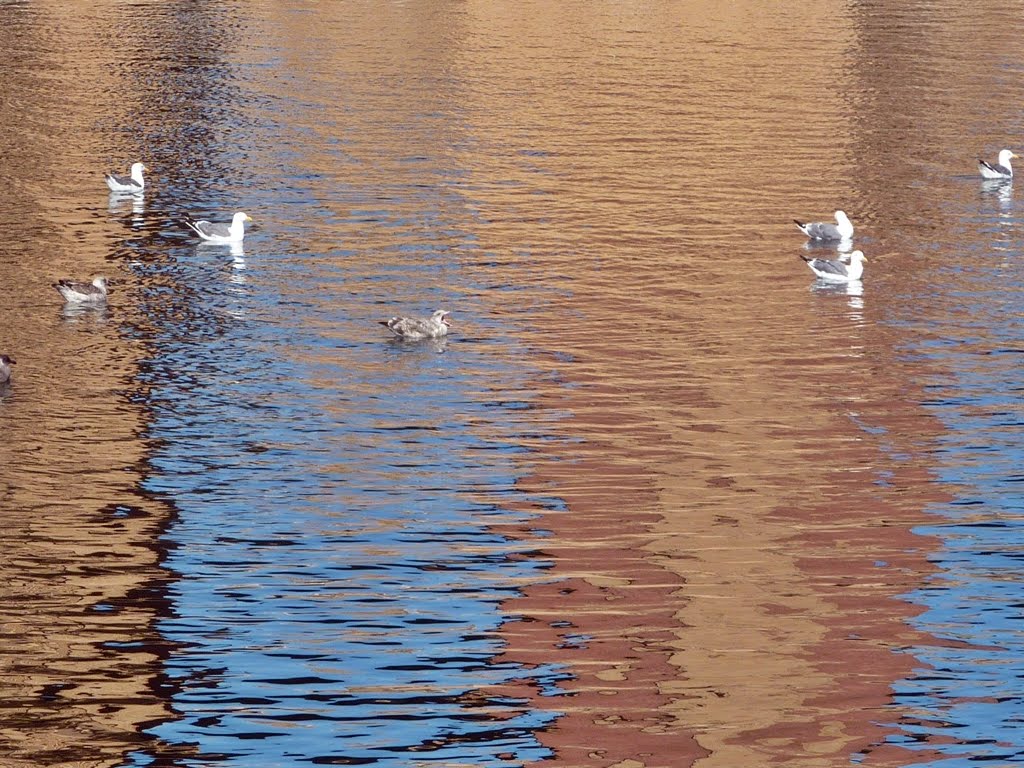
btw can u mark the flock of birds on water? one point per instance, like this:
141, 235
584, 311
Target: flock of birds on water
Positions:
847, 268
95, 293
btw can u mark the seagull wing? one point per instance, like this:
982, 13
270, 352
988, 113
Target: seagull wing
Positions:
86, 289
830, 266
994, 168
821, 230
408, 327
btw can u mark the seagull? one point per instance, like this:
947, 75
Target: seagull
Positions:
132, 183
1001, 169
836, 271
220, 233
414, 328
83, 293
841, 230
5, 368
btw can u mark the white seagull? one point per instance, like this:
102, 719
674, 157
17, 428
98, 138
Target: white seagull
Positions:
1001, 169
132, 183
414, 328
5, 368
83, 293
220, 233
836, 271
841, 230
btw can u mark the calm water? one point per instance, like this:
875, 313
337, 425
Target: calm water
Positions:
658, 500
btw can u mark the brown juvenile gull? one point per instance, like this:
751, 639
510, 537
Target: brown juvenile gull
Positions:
836, 271
131, 183
820, 230
415, 328
83, 293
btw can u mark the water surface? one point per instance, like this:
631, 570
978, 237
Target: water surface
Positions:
658, 500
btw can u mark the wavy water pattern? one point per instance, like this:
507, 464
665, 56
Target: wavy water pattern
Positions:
660, 499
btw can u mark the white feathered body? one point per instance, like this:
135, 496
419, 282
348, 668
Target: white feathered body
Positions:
133, 183
835, 271
220, 233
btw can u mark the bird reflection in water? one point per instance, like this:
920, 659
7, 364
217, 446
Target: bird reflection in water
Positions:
84, 313
121, 202
1001, 190
821, 247
238, 264
437, 345
853, 290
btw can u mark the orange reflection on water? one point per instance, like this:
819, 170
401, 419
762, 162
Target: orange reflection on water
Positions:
742, 462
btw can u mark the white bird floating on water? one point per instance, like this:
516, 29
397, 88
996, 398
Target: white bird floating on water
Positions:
220, 233
5, 368
837, 271
819, 230
83, 293
414, 328
131, 183
1001, 169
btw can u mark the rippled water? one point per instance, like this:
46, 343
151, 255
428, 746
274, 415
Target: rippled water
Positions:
658, 500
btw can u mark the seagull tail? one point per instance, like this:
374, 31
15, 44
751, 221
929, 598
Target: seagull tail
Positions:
191, 224
801, 226
807, 259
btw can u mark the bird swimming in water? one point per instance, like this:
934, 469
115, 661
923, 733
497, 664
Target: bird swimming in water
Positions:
5, 368
1001, 169
220, 233
823, 230
131, 183
837, 271
83, 293
414, 328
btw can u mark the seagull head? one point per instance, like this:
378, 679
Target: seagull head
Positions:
241, 216
100, 282
441, 316
1005, 156
858, 256
6, 360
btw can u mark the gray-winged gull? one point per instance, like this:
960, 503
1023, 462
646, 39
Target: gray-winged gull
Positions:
1001, 169
836, 271
820, 230
220, 233
131, 183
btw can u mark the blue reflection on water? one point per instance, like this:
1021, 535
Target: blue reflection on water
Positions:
339, 585
339, 578
968, 701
